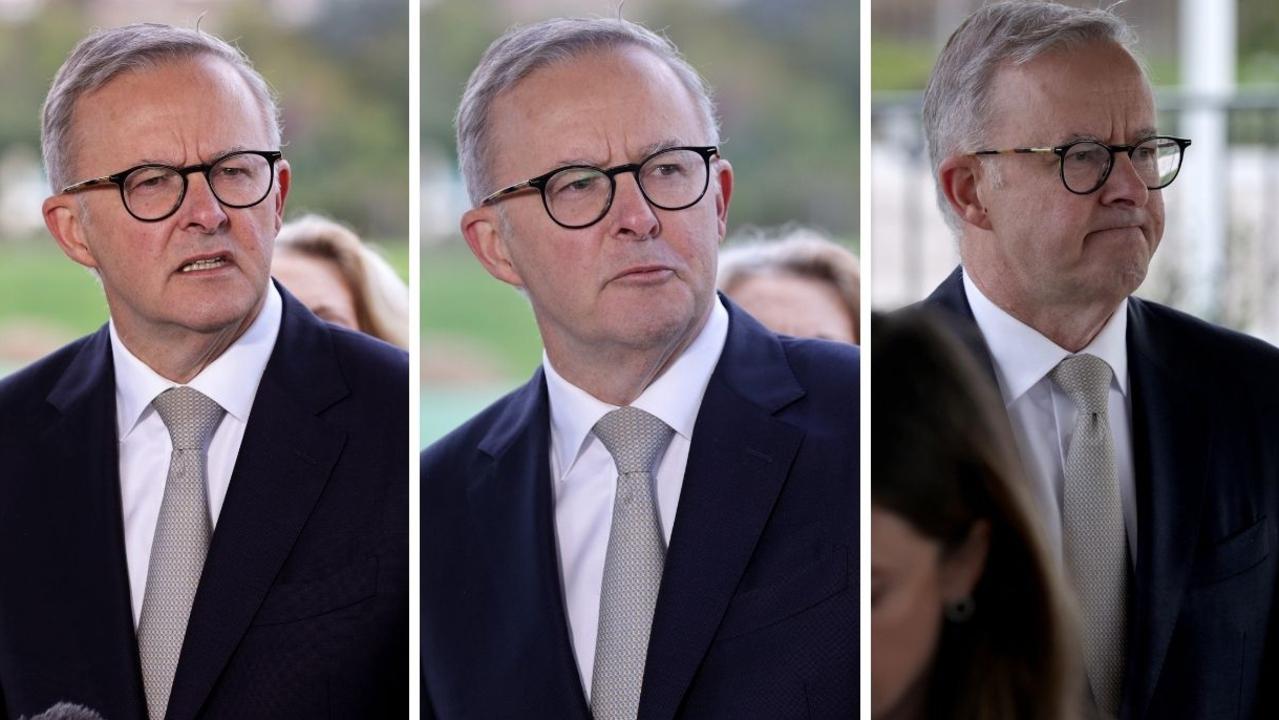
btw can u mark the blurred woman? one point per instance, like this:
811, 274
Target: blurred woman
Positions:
969, 617
795, 282
342, 280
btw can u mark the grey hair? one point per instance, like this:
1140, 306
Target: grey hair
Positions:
1002, 33
522, 50
107, 53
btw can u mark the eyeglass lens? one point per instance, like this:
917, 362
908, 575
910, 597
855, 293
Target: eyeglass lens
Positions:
1085, 166
238, 180
671, 180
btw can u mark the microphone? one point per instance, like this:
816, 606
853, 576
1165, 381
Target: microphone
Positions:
67, 711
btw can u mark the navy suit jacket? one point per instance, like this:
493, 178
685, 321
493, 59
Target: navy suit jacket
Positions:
302, 609
1202, 636
757, 612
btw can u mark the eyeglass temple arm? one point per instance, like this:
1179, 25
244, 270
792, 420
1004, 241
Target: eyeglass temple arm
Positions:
104, 180
1016, 151
506, 191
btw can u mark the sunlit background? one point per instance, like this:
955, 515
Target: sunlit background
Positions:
785, 75
340, 68
1215, 66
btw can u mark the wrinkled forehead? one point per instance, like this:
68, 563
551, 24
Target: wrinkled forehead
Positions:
595, 95
1094, 90
142, 111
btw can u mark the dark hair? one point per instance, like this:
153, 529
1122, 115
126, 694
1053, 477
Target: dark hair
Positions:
942, 458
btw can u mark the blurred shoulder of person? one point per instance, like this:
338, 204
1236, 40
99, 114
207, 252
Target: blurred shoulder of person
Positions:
341, 278
795, 280
969, 615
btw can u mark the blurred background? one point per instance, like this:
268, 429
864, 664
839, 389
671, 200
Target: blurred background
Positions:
785, 77
1215, 67
340, 68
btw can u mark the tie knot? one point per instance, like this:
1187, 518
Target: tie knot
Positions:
190, 415
634, 438
1086, 379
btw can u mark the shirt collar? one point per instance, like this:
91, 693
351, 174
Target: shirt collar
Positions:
1023, 356
674, 397
231, 380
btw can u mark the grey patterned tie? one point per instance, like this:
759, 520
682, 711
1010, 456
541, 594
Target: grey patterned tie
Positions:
1093, 538
633, 565
181, 541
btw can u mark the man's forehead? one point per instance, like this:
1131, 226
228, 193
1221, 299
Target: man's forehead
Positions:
574, 107
150, 105
1098, 91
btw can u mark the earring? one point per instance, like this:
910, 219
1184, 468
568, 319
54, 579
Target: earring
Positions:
961, 610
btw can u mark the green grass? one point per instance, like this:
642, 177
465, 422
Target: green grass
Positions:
460, 299
38, 282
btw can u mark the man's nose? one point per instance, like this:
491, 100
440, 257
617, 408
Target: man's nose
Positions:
201, 209
631, 211
1125, 185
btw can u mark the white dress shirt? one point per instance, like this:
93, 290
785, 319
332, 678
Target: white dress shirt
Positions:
1043, 416
231, 380
585, 476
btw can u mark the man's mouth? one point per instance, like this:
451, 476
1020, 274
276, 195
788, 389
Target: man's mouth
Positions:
204, 264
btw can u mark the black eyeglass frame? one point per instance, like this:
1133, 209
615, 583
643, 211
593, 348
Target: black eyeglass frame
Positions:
1061, 150
540, 182
271, 156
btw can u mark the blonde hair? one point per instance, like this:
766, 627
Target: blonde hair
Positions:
798, 251
381, 297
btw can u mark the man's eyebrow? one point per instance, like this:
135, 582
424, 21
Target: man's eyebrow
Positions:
644, 152
1136, 136
651, 148
170, 162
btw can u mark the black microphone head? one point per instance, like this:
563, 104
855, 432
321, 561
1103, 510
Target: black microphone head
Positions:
68, 711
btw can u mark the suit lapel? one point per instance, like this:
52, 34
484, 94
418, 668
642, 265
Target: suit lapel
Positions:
737, 465
85, 498
950, 296
285, 459
515, 575
1172, 442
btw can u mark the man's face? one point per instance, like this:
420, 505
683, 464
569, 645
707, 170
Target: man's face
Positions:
1050, 246
183, 113
641, 277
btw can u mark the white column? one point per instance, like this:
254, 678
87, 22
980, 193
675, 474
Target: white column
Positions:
1207, 51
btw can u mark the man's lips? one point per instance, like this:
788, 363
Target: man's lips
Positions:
204, 263
644, 272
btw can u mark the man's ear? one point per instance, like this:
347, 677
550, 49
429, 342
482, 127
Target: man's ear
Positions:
64, 217
284, 179
959, 177
723, 190
482, 229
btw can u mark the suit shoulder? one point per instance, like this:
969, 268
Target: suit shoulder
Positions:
1211, 352
1218, 342
827, 365
27, 388
370, 363
459, 447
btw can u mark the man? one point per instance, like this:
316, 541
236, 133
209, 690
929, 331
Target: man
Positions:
203, 508
662, 523
1147, 435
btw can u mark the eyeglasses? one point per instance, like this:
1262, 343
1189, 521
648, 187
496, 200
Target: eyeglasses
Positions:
153, 192
579, 196
1086, 164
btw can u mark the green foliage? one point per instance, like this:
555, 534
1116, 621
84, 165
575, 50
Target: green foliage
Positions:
460, 299
38, 283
